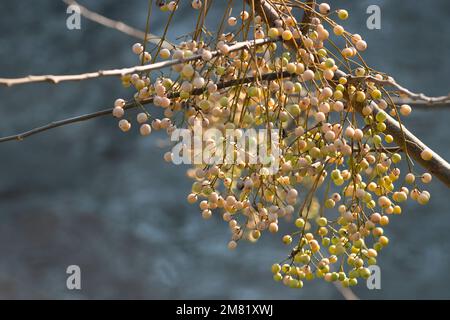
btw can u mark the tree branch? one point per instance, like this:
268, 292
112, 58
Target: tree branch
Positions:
119, 25
415, 97
423, 105
404, 138
120, 72
134, 104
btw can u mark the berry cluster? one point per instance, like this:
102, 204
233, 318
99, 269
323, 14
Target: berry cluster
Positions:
331, 133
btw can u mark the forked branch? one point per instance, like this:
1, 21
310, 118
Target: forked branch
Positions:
120, 72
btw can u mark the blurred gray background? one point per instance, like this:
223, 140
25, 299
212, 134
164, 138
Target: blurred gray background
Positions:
89, 195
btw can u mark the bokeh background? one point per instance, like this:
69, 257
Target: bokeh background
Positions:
89, 195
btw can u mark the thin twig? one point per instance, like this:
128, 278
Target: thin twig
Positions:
416, 97
422, 105
120, 72
118, 25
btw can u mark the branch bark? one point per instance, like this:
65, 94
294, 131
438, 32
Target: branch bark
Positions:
120, 72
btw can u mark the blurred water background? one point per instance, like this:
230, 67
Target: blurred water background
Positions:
89, 195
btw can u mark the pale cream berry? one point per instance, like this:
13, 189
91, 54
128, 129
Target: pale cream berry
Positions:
426, 154
203, 205
347, 52
145, 129
118, 112
124, 125
375, 217
423, 198
259, 34
196, 4
244, 15
358, 135
156, 124
384, 202
326, 93
292, 193
119, 103
206, 214
382, 104
165, 123
308, 75
232, 245
405, 110
426, 178
145, 57
232, 21
324, 8
328, 74
273, 227
330, 136
192, 198
361, 45
299, 131
164, 53
172, 6
198, 82
137, 48
178, 54
320, 117
355, 38
142, 117
289, 87
338, 106
324, 107
400, 196
338, 30
206, 55
410, 178
187, 71
168, 156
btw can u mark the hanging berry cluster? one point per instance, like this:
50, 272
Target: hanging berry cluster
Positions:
306, 80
